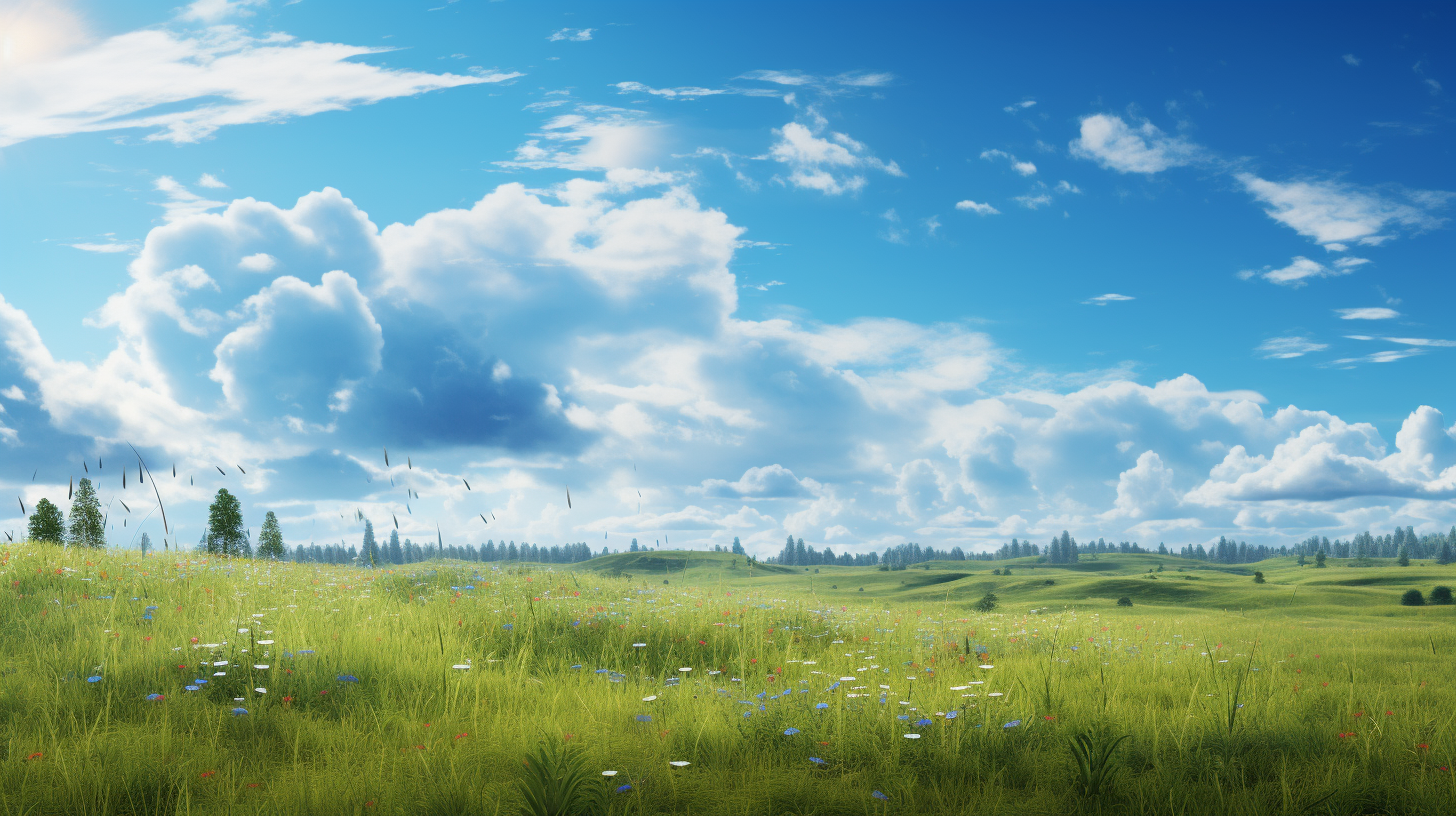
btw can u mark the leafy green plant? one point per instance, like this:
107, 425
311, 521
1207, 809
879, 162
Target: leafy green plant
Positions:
555, 782
1413, 597
1095, 762
987, 602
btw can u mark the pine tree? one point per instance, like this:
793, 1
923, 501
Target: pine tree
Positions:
225, 534
145, 543
88, 526
1403, 558
46, 523
369, 554
270, 538
396, 556
737, 547
1445, 557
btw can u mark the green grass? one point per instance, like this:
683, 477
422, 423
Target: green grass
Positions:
1323, 655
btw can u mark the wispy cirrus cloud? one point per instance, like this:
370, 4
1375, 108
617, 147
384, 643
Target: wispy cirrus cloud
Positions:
571, 35
976, 207
1287, 348
182, 86
832, 163
1103, 300
1367, 313
1335, 214
1301, 269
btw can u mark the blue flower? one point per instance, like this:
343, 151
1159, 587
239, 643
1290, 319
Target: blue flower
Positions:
951, 715
1012, 724
923, 721
192, 688
624, 788
644, 718
238, 712
348, 678
154, 696
747, 714
880, 796
506, 626
577, 666
816, 760
821, 705
95, 678
903, 717
789, 732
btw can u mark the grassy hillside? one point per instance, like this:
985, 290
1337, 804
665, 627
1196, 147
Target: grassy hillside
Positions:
150, 685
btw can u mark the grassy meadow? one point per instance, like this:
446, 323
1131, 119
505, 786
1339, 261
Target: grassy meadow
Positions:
426, 689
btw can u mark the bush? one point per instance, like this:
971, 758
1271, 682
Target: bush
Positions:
1412, 597
987, 602
1441, 595
861, 589
1258, 577
1124, 601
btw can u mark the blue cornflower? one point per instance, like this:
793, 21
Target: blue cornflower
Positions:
951, 715
923, 721
192, 688
506, 626
789, 732
821, 705
624, 788
879, 795
348, 678
154, 696
238, 712
644, 718
1012, 724
816, 760
95, 678
903, 717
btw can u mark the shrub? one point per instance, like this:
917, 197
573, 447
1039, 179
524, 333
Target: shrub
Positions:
995, 572
1048, 582
1258, 577
987, 602
861, 589
1412, 597
1124, 601
1441, 595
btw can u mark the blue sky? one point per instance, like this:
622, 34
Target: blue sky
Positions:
869, 274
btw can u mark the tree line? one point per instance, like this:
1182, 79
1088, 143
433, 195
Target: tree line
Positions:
226, 534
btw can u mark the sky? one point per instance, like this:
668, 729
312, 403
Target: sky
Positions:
862, 274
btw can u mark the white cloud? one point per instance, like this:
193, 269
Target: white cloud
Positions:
1103, 300
977, 207
210, 181
849, 82
1033, 200
1025, 168
182, 202
691, 91
1351, 59
107, 248
1065, 186
589, 334
258, 262
1287, 348
1017, 107
831, 165
1367, 313
1380, 357
1422, 342
183, 87
1336, 214
571, 35
594, 138
1301, 269
214, 11
1109, 141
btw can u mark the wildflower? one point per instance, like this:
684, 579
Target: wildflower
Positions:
816, 760
206, 774
679, 763
238, 712
155, 697
36, 755
95, 678
1012, 724
348, 678
789, 732
644, 718
821, 705
624, 788
879, 796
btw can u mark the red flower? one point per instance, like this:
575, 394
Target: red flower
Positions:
206, 774
36, 755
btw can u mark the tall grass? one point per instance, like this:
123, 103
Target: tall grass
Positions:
363, 712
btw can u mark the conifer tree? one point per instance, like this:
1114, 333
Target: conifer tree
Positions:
88, 525
270, 538
369, 553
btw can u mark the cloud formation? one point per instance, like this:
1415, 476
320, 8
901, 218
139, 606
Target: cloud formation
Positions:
183, 86
1143, 148
832, 164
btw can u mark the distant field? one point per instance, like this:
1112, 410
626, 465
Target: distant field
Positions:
837, 690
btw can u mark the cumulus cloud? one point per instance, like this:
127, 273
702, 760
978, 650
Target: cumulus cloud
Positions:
1336, 214
1142, 148
1301, 269
832, 164
183, 86
571, 35
588, 334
